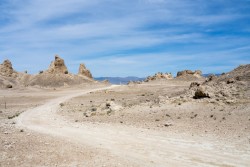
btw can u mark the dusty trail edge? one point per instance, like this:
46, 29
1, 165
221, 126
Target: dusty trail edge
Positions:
141, 147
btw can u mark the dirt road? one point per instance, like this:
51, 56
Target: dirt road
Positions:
142, 147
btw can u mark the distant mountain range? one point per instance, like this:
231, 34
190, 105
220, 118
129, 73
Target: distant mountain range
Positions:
125, 80
119, 80
206, 75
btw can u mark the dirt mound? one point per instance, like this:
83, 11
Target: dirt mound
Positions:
57, 67
227, 88
241, 73
158, 76
5, 82
57, 80
83, 71
188, 74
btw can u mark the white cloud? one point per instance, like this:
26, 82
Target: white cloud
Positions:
174, 32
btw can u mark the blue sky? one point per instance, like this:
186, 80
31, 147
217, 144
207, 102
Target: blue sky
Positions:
126, 37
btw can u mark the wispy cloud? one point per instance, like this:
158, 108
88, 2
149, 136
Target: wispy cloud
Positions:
134, 37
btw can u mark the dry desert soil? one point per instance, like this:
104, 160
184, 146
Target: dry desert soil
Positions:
148, 124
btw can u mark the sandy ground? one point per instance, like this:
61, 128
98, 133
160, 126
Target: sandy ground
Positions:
21, 146
147, 127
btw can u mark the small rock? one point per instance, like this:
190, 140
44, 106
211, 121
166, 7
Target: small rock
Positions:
230, 81
168, 115
201, 93
87, 114
230, 101
168, 124
93, 109
109, 112
194, 84
9, 86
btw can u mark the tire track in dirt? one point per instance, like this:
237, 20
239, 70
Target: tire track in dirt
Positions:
139, 146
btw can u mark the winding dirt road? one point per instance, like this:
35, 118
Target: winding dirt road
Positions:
141, 147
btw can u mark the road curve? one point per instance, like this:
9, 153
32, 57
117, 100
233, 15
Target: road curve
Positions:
139, 146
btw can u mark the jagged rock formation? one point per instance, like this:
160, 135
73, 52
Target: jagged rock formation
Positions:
189, 73
83, 71
159, 75
57, 75
6, 69
7, 75
58, 66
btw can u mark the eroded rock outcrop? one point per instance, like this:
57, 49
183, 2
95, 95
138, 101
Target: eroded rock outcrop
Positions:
57, 76
9, 78
83, 71
189, 73
6, 69
201, 92
58, 66
159, 75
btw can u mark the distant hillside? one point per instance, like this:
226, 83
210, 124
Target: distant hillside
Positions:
206, 75
119, 80
125, 80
